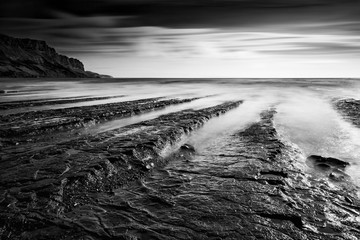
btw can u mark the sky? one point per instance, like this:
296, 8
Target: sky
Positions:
196, 38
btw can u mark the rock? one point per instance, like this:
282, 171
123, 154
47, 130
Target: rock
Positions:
188, 147
76, 117
60, 184
186, 152
350, 109
338, 176
149, 166
34, 58
349, 200
323, 166
7, 91
333, 162
44, 102
252, 191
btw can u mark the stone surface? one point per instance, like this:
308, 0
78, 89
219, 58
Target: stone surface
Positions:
45, 102
34, 58
350, 109
327, 161
38, 122
248, 186
45, 197
133, 183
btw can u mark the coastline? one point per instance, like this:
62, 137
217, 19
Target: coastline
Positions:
146, 178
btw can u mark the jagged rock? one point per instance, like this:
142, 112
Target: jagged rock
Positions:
34, 58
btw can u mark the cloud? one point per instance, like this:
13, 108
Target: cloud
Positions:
144, 31
237, 43
71, 34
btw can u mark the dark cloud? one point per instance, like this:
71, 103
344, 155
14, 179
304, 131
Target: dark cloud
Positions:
45, 8
210, 29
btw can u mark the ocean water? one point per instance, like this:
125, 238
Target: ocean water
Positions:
305, 116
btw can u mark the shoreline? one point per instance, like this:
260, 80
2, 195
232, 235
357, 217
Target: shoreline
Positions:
75, 188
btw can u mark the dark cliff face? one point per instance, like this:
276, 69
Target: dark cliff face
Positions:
34, 58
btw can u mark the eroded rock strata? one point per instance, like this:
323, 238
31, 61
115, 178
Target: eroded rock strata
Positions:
350, 108
129, 183
44, 102
250, 187
41, 199
37, 122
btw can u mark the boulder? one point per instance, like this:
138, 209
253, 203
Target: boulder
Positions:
330, 161
187, 147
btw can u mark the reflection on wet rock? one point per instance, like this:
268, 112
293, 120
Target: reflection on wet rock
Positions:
327, 162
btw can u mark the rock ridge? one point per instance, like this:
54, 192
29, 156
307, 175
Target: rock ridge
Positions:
53, 186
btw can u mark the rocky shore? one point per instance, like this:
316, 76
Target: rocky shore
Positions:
54, 181
350, 109
145, 181
55, 101
37, 122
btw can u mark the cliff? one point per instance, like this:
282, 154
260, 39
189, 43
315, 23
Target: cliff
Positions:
34, 58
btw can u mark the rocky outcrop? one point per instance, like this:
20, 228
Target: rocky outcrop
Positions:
34, 58
46, 121
350, 109
141, 181
327, 161
61, 179
51, 101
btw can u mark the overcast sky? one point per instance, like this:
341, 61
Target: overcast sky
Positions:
196, 38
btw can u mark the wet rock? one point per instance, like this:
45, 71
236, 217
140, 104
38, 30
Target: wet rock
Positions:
188, 147
350, 109
338, 176
68, 177
327, 161
149, 166
7, 91
248, 187
56, 101
296, 220
323, 166
275, 173
39, 122
186, 152
349, 200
